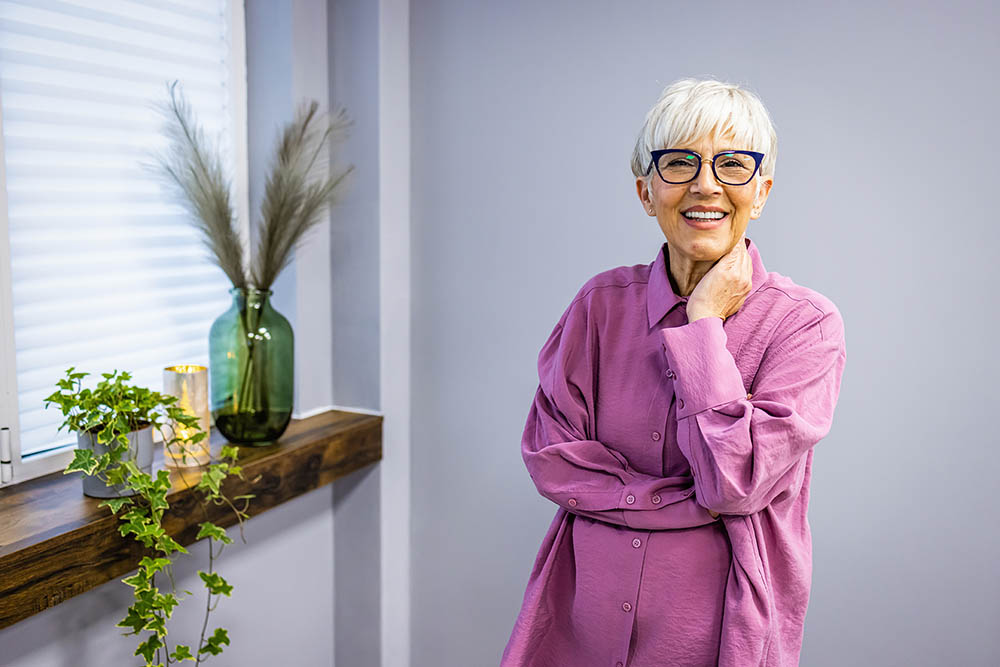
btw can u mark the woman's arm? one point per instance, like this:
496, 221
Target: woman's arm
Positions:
576, 471
745, 453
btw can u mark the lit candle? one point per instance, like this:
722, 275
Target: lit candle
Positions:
189, 383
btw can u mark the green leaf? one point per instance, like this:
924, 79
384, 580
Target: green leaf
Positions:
167, 544
133, 620
139, 581
157, 624
215, 584
182, 652
115, 504
116, 475
162, 481
158, 501
214, 643
167, 603
211, 478
229, 452
208, 529
83, 459
147, 649
197, 437
153, 565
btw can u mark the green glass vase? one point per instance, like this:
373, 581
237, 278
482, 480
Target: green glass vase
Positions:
251, 369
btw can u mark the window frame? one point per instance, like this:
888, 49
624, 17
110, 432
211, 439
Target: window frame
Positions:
47, 462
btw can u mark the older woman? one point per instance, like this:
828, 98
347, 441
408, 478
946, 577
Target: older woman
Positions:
675, 418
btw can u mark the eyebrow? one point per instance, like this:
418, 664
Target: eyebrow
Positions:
724, 150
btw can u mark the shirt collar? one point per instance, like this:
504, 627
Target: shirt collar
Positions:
660, 295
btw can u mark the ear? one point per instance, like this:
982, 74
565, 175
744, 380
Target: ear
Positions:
758, 203
645, 197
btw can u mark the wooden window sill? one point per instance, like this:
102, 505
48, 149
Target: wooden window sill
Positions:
56, 543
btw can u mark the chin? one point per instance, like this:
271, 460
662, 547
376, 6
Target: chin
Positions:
704, 246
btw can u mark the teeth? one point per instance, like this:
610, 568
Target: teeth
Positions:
714, 215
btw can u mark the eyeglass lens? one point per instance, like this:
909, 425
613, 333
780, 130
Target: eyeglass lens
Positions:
731, 168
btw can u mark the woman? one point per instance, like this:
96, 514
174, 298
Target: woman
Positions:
675, 418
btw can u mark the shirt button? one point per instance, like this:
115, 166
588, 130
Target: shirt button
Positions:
670, 373
630, 499
636, 543
656, 435
656, 500
680, 403
618, 664
572, 502
626, 606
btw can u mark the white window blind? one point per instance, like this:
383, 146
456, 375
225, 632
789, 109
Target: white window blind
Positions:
105, 271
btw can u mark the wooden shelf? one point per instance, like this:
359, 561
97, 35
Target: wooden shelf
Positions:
56, 543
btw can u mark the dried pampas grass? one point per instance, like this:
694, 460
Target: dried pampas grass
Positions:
297, 192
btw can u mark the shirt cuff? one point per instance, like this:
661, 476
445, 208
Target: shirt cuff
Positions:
705, 373
646, 494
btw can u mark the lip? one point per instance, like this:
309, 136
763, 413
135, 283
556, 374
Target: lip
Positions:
705, 224
704, 209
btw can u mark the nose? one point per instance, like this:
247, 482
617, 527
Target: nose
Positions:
706, 183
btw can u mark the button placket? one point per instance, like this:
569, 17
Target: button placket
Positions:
656, 417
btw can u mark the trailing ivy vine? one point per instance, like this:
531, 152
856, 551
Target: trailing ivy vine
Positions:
109, 413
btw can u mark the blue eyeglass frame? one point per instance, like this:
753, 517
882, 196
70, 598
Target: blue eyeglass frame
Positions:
655, 161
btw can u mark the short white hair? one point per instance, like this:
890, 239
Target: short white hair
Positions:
690, 109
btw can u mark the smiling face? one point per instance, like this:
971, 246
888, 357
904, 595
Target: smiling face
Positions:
698, 241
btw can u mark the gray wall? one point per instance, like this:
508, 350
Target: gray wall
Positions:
524, 115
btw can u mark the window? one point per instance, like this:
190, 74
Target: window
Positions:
99, 268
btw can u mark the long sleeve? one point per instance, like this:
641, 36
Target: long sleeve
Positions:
577, 472
744, 453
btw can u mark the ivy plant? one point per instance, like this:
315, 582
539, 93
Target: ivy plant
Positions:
109, 413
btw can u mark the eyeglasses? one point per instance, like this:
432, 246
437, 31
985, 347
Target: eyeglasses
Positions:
730, 167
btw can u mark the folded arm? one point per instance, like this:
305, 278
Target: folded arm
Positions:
576, 471
746, 453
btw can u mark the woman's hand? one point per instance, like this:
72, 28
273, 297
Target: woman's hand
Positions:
722, 291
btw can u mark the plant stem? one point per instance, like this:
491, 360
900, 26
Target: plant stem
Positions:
208, 605
166, 646
250, 392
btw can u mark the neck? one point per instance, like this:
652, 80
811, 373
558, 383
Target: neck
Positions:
685, 273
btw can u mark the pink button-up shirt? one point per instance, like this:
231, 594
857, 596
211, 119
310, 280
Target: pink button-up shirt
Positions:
641, 423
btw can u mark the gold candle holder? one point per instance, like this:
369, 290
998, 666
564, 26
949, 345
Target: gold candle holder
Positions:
189, 383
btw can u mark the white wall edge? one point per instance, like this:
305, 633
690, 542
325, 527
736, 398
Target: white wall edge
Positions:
394, 325
345, 408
